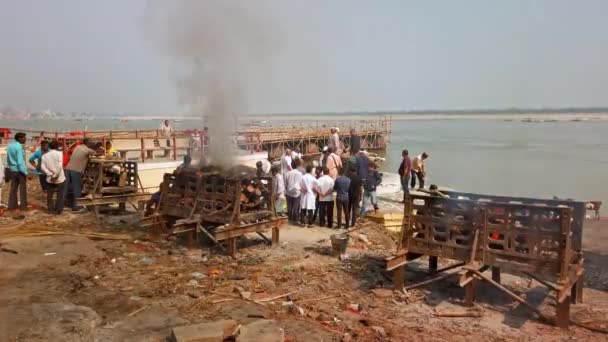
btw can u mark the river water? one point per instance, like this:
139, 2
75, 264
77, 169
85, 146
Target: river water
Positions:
564, 159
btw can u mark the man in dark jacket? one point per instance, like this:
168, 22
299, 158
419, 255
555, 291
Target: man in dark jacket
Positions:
354, 195
405, 170
374, 178
355, 142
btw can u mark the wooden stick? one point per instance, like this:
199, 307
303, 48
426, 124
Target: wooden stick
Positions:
512, 295
135, 312
430, 281
317, 299
461, 313
544, 282
222, 300
276, 297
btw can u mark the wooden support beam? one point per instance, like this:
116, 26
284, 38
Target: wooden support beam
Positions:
275, 236
399, 278
433, 264
512, 295
562, 314
496, 274
232, 246
430, 281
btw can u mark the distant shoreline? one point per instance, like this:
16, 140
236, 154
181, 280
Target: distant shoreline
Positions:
404, 117
527, 117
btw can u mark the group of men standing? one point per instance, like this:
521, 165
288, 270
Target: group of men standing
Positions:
58, 177
410, 170
308, 190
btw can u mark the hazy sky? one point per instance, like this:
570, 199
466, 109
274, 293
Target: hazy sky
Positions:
336, 55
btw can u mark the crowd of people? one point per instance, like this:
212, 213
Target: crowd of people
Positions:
308, 192
59, 174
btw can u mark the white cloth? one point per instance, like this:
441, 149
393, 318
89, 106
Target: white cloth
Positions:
286, 164
165, 131
266, 166
296, 155
335, 142
278, 185
308, 199
326, 183
52, 166
293, 181
418, 163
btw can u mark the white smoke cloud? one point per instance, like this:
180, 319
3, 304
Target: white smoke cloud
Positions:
218, 47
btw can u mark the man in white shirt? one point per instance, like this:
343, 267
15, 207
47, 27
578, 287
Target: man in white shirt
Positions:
52, 165
419, 170
326, 199
308, 196
286, 162
166, 131
293, 186
278, 191
296, 153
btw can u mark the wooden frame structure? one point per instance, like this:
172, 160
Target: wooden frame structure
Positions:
499, 233
101, 186
211, 205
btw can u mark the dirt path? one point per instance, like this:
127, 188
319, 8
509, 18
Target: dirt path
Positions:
71, 288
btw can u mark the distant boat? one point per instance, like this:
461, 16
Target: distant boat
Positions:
124, 120
177, 120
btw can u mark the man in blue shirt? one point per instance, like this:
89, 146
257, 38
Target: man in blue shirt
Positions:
36, 160
15, 157
342, 185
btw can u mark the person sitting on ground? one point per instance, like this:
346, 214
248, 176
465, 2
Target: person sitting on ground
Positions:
110, 151
419, 170
153, 203
374, 178
35, 161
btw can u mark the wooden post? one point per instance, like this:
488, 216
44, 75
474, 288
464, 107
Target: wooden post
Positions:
496, 274
576, 294
562, 313
275, 236
399, 278
142, 152
232, 247
469, 292
432, 264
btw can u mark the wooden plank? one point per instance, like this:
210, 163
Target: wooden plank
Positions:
232, 231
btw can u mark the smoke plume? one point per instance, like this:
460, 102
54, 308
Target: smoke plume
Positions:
218, 48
